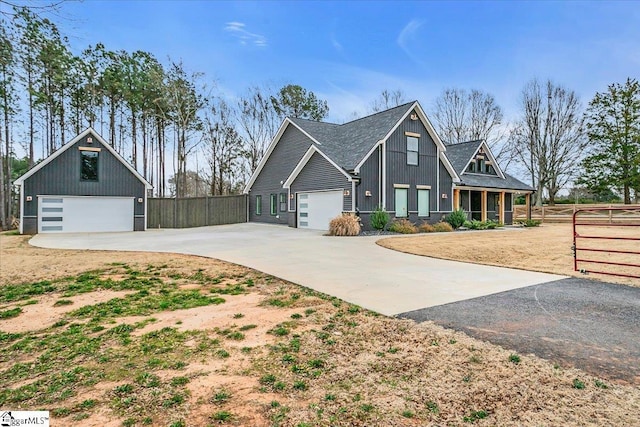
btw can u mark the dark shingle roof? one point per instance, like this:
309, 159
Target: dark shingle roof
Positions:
459, 156
348, 143
493, 181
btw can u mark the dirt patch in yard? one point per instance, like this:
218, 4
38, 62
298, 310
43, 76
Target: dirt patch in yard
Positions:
196, 341
44, 312
546, 248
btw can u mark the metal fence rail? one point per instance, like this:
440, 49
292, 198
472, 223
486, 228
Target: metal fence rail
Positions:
622, 218
196, 211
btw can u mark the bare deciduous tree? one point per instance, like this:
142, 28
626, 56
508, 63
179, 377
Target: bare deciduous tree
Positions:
466, 116
461, 116
183, 101
258, 122
388, 99
224, 147
548, 138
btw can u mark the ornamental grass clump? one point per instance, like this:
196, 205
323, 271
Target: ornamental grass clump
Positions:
442, 226
425, 227
403, 226
344, 225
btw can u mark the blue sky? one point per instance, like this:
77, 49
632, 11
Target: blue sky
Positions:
348, 52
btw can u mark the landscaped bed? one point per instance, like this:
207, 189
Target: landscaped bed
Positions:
113, 338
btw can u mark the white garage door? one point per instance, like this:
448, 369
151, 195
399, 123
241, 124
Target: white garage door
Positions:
315, 210
67, 214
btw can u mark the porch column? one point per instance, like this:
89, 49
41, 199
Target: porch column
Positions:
483, 214
501, 219
456, 199
527, 204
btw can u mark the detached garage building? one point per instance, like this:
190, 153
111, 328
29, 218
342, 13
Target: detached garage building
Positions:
85, 186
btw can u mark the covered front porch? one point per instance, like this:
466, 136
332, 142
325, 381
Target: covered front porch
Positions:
484, 204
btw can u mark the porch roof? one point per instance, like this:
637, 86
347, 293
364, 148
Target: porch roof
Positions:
492, 181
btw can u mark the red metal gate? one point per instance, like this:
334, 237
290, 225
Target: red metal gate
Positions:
605, 229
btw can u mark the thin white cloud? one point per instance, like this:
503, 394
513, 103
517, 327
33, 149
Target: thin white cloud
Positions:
407, 36
238, 30
336, 44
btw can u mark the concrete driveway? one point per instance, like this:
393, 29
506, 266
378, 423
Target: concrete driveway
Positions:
354, 269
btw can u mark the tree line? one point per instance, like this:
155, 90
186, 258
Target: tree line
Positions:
554, 138
158, 117
164, 118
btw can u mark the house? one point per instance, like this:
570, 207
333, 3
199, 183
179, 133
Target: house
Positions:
85, 186
313, 171
484, 190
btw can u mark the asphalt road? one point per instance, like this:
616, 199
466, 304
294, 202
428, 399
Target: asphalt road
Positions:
573, 322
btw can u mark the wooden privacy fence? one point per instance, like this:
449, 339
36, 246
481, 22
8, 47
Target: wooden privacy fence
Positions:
564, 213
196, 211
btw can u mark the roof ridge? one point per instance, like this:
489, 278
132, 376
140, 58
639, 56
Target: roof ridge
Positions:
465, 142
313, 121
380, 112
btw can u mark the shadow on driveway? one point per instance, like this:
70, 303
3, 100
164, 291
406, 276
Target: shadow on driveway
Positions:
573, 322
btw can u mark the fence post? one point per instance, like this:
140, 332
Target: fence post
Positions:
610, 215
206, 210
175, 212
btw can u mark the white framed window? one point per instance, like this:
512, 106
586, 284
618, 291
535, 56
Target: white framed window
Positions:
401, 202
424, 197
412, 150
258, 205
273, 205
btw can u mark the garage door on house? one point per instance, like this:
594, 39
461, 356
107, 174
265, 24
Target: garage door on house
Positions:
78, 214
317, 209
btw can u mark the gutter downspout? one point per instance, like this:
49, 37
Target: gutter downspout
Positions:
21, 228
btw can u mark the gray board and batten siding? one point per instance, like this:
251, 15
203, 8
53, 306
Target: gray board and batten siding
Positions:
61, 177
425, 173
320, 175
369, 182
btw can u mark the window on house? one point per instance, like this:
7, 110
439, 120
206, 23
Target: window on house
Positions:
480, 165
412, 150
283, 202
423, 202
490, 169
471, 167
89, 165
402, 210
258, 205
273, 205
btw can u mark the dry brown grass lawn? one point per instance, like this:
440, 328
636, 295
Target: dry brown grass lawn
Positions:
270, 354
546, 248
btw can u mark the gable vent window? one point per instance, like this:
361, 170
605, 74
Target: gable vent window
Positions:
89, 165
412, 150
